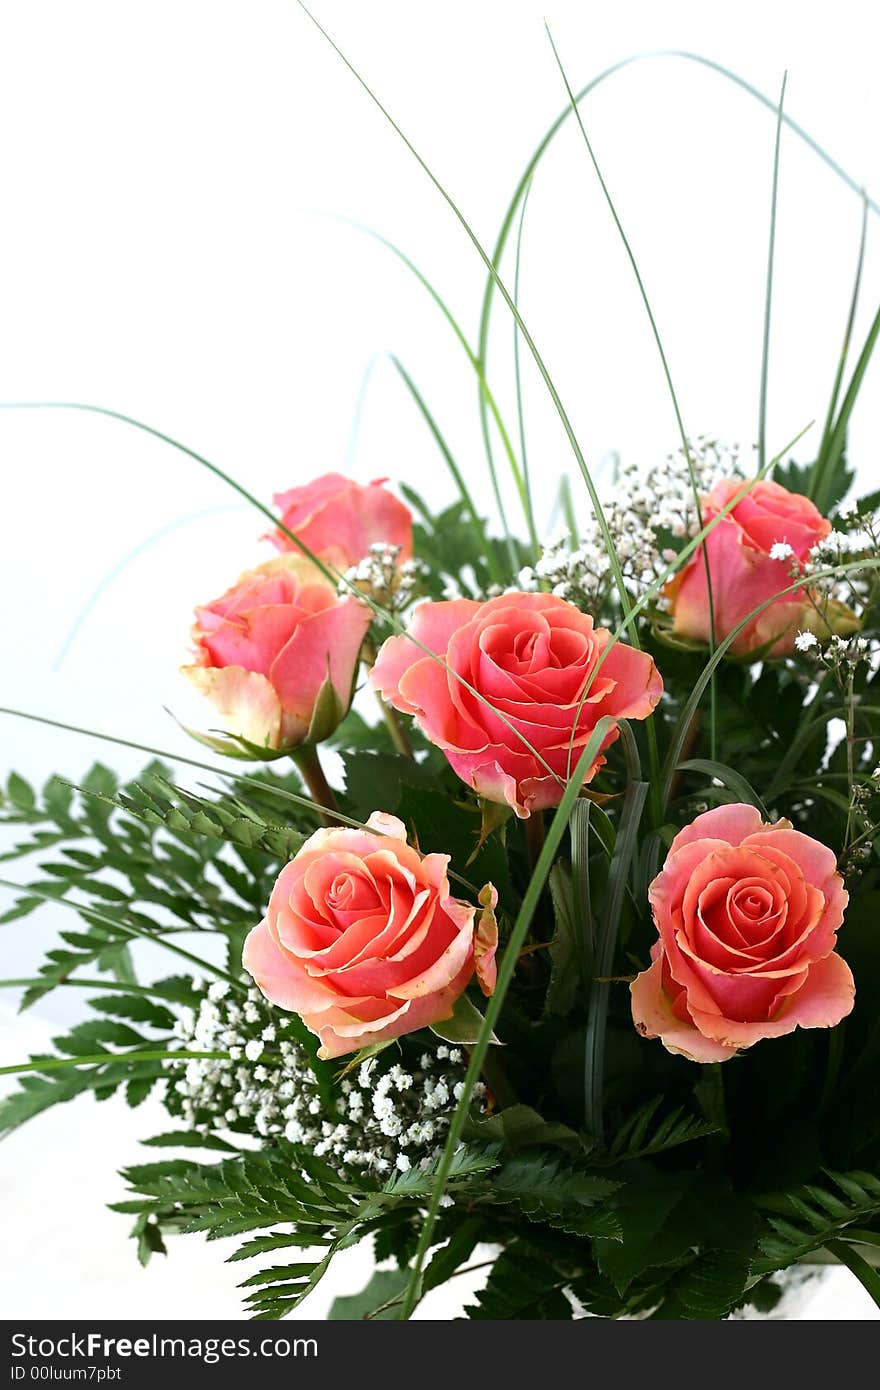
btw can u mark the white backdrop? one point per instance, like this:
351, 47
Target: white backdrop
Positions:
177, 182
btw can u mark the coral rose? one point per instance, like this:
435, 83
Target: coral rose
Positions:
362, 938
277, 654
338, 520
747, 915
530, 656
745, 574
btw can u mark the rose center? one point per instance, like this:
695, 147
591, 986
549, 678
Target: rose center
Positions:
350, 893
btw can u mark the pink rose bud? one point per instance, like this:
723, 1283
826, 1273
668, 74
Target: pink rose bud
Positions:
277, 655
754, 552
748, 915
362, 938
338, 520
530, 656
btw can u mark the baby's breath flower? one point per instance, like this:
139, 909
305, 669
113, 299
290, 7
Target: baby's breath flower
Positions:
780, 550
647, 509
398, 1115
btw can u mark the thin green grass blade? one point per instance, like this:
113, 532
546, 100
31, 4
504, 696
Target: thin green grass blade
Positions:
133, 933
584, 923
768, 296
526, 336
867, 1276
685, 442
826, 465
329, 571
59, 1063
112, 575
847, 339
672, 568
476, 364
476, 521
625, 847
523, 451
567, 507
729, 777
494, 1005
591, 86
150, 991
680, 731
267, 788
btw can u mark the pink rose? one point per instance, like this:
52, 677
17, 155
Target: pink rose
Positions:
747, 915
530, 656
338, 519
743, 572
362, 938
277, 654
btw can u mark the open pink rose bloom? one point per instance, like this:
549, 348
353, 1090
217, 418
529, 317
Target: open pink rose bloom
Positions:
338, 520
277, 654
744, 575
531, 657
748, 916
362, 937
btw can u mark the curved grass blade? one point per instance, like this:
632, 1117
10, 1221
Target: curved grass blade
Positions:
729, 777
625, 847
685, 442
867, 1276
613, 560
693, 700
88, 912
151, 991
329, 571
506, 969
59, 1063
768, 298
654, 589
523, 451
823, 472
112, 575
485, 392
267, 788
485, 549
685, 55
844, 352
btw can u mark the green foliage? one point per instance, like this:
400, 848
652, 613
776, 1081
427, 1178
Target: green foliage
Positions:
377, 1301
255, 1192
110, 1032
522, 1285
640, 1137
147, 860
799, 1222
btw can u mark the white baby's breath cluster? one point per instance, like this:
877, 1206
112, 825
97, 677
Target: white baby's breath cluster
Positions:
856, 537
649, 514
382, 576
387, 1115
840, 654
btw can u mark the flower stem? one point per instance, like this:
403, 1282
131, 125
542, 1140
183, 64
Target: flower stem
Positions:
309, 764
535, 836
399, 736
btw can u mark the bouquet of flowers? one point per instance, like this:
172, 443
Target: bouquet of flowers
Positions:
540, 911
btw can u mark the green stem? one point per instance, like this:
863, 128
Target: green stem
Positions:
399, 736
309, 765
850, 755
535, 836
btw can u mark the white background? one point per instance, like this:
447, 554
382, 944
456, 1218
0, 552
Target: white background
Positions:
177, 181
